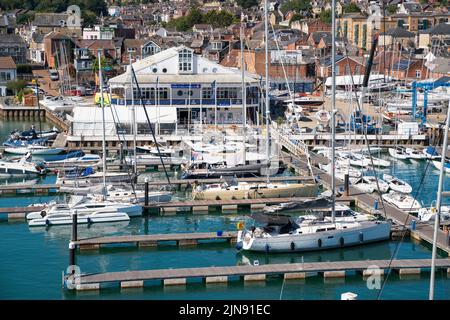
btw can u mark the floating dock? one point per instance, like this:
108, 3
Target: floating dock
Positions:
290, 271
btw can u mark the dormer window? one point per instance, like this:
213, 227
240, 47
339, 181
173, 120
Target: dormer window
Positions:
185, 58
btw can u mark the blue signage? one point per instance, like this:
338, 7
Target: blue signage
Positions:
185, 86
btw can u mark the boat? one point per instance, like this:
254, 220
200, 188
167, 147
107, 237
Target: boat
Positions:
63, 104
86, 176
431, 153
85, 160
117, 194
437, 164
300, 205
341, 170
244, 190
369, 184
402, 201
64, 218
32, 134
415, 154
397, 184
429, 214
35, 149
399, 153
203, 170
304, 101
282, 234
23, 168
85, 205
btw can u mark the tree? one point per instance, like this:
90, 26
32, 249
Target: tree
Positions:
246, 4
296, 17
24, 18
18, 87
352, 8
297, 6
325, 16
392, 8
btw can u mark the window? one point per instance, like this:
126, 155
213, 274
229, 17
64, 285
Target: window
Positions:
185, 60
356, 35
347, 69
207, 93
227, 93
337, 70
364, 36
358, 70
418, 74
345, 29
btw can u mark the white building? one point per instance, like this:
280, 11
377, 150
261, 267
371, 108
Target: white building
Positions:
98, 33
198, 89
8, 72
114, 11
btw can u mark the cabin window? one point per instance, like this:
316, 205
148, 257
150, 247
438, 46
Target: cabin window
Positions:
418, 74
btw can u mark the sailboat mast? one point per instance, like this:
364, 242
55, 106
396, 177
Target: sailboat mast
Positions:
266, 30
102, 104
438, 205
133, 115
244, 96
333, 107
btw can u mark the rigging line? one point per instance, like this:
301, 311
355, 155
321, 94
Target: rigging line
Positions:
305, 148
397, 247
130, 176
365, 134
150, 125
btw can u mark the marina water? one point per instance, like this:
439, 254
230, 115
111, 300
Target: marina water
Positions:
32, 259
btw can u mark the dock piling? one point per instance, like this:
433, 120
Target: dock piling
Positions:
346, 185
146, 196
72, 245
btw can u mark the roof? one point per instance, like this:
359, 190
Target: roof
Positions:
403, 64
96, 44
12, 39
7, 63
399, 33
50, 19
440, 29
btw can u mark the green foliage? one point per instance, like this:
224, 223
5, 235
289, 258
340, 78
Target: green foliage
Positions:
16, 85
352, 8
88, 7
24, 69
89, 17
325, 16
24, 18
217, 19
296, 5
443, 2
246, 4
392, 8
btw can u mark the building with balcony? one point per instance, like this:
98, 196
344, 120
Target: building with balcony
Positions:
195, 90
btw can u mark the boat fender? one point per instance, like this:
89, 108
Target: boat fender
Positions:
267, 247
43, 213
292, 245
319, 243
239, 245
361, 237
47, 222
341, 241
89, 221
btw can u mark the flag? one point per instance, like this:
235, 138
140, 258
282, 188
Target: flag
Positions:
213, 85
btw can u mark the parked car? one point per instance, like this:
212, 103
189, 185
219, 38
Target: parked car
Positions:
33, 89
54, 74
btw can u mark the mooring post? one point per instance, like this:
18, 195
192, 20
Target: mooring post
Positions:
346, 185
72, 246
121, 153
146, 195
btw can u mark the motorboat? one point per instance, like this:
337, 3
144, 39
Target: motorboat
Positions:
281, 233
399, 153
341, 170
397, 184
429, 214
244, 190
437, 165
431, 153
85, 205
203, 170
117, 194
369, 184
63, 104
32, 134
23, 168
402, 201
87, 176
65, 218
366, 159
34, 149
304, 101
85, 160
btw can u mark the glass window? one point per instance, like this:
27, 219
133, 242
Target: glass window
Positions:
207, 93
185, 58
418, 73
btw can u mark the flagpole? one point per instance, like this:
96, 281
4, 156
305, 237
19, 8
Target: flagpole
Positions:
215, 104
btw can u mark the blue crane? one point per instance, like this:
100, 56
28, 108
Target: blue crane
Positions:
426, 86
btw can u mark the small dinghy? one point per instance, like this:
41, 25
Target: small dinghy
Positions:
397, 184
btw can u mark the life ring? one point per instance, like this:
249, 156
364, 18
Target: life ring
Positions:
292, 246
240, 225
43, 213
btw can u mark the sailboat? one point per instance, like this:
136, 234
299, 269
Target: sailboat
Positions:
282, 234
244, 190
104, 210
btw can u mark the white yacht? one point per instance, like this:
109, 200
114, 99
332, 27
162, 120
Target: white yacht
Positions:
22, 168
415, 154
86, 160
281, 234
117, 194
64, 218
369, 184
399, 153
244, 190
429, 214
397, 184
343, 213
402, 201
437, 165
341, 170
34, 149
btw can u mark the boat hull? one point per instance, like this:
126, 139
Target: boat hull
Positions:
296, 190
366, 233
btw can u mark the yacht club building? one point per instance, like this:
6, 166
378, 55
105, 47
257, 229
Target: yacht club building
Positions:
198, 90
